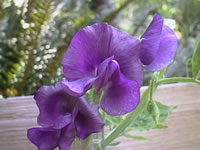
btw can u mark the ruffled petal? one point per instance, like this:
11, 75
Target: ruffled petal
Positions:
121, 95
93, 44
87, 120
167, 50
78, 87
67, 137
151, 40
55, 106
44, 139
86, 51
126, 50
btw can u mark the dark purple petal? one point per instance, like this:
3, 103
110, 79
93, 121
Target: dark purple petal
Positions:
87, 120
120, 94
167, 50
93, 44
44, 139
151, 40
78, 87
67, 137
86, 51
55, 106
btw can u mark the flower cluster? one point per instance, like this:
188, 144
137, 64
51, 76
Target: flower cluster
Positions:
104, 58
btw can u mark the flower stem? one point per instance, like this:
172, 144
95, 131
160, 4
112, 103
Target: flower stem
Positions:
86, 143
102, 132
177, 79
74, 144
131, 117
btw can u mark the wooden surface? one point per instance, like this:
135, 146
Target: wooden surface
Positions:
183, 132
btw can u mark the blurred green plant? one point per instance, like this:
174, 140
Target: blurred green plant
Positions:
34, 34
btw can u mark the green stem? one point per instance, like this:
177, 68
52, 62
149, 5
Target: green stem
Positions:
177, 79
131, 117
102, 132
74, 144
86, 143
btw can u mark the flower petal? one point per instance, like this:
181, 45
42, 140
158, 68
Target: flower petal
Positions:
120, 94
151, 40
87, 120
55, 106
86, 51
67, 137
167, 50
93, 44
78, 87
44, 139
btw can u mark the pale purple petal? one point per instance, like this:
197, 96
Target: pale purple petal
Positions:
167, 50
151, 40
55, 106
87, 120
120, 94
44, 139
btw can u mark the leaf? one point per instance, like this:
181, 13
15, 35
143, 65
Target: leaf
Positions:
160, 126
137, 137
145, 121
196, 58
114, 143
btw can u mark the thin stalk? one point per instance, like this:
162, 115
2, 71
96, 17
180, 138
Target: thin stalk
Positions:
86, 143
74, 144
102, 132
177, 79
131, 117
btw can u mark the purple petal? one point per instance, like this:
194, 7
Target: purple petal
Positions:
167, 50
78, 87
44, 139
120, 94
94, 44
86, 51
67, 137
151, 40
87, 120
55, 106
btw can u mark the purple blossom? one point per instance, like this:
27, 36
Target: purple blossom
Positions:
62, 117
103, 57
158, 46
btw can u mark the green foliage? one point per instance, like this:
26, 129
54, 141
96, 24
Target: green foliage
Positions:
146, 122
136, 137
35, 35
196, 59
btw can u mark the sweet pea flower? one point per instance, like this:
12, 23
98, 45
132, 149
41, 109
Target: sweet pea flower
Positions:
102, 57
62, 117
158, 45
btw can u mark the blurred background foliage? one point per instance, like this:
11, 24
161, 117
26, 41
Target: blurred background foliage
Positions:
34, 34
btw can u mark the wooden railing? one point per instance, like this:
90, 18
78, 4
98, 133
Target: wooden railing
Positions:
183, 133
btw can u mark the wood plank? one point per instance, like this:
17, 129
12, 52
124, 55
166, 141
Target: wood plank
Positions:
183, 133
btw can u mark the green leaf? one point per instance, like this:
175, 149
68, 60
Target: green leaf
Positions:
137, 137
145, 121
114, 143
160, 126
196, 58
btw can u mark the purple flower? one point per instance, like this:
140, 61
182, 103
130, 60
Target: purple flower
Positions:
103, 57
159, 45
62, 117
